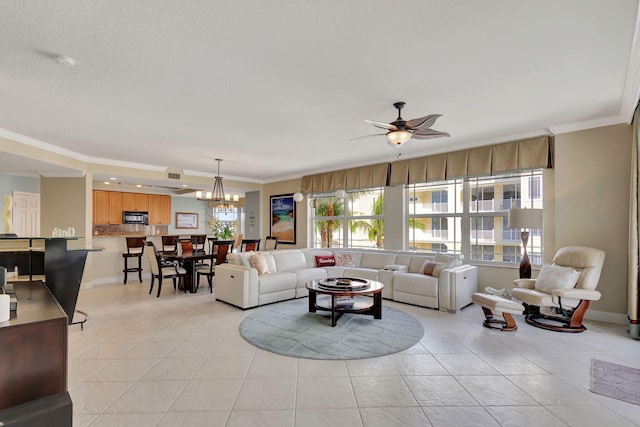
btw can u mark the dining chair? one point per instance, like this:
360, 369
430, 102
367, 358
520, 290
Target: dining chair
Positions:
199, 241
249, 245
271, 243
169, 244
160, 270
218, 251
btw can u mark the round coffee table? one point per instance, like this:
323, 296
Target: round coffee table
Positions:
342, 298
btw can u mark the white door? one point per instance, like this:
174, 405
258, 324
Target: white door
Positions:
26, 214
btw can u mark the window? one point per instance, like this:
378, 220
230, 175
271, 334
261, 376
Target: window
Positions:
475, 218
357, 221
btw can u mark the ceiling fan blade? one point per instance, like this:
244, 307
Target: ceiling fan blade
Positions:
387, 126
428, 134
367, 136
423, 122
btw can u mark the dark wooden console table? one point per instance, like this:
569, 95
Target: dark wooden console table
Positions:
33, 361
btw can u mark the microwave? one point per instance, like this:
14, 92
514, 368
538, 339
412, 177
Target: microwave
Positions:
129, 217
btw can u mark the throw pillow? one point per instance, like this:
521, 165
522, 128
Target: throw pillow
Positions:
427, 268
346, 259
325, 261
552, 277
259, 262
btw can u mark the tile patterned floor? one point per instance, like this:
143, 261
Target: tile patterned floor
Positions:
179, 360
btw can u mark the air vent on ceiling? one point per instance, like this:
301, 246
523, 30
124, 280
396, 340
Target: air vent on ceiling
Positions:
173, 175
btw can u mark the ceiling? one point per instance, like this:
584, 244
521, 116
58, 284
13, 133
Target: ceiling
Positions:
279, 89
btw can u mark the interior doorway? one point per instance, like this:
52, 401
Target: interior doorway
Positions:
26, 214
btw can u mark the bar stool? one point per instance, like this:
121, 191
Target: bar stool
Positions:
135, 249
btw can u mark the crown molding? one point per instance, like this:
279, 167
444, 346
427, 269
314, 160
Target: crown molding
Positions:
589, 124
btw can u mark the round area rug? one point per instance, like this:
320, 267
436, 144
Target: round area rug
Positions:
289, 329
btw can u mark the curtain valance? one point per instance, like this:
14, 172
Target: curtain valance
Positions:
348, 179
510, 156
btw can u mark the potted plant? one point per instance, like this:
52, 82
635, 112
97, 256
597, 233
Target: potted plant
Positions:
223, 230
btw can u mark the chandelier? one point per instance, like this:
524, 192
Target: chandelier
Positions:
217, 195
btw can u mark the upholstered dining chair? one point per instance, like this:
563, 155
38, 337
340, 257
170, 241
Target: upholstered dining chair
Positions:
160, 270
169, 244
271, 243
558, 298
199, 241
249, 245
219, 249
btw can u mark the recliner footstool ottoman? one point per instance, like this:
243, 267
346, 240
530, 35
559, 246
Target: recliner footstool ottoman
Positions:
493, 304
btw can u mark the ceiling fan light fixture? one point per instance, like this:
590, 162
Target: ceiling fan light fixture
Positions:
398, 137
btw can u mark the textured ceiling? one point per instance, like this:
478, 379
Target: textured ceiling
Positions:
277, 89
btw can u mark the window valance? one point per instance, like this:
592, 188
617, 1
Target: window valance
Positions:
526, 154
510, 156
348, 179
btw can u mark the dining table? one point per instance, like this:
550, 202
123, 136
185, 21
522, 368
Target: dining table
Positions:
188, 259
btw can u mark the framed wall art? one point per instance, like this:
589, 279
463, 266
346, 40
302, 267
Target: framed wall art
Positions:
187, 220
283, 218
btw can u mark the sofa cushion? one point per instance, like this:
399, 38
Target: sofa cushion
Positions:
325, 261
414, 283
552, 277
449, 260
308, 274
289, 260
345, 259
259, 262
416, 265
377, 259
276, 282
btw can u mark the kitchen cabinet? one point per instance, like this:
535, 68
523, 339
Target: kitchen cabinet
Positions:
129, 202
100, 207
107, 207
142, 201
165, 209
159, 209
115, 207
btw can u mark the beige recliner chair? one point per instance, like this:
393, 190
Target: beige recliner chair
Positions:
558, 298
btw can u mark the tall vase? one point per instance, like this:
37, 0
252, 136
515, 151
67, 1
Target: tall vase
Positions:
525, 265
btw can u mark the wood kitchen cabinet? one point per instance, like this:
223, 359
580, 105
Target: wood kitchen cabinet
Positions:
159, 209
107, 207
115, 207
100, 207
129, 202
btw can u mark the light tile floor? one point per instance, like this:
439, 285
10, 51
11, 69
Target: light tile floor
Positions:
179, 360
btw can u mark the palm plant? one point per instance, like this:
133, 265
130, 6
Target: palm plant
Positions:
328, 207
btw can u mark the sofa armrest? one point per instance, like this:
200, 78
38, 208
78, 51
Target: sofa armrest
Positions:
455, 287
525, 283
237, 285
396, 267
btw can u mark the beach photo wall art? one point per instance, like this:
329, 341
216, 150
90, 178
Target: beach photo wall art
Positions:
283, 218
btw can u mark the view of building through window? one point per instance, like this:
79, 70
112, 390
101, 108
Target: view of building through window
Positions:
471, 216
468, 216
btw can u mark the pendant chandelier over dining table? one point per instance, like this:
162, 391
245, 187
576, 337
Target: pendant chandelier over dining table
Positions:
217, 195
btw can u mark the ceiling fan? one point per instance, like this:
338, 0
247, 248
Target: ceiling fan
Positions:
400, 130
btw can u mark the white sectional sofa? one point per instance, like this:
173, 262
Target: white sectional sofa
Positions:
239, 284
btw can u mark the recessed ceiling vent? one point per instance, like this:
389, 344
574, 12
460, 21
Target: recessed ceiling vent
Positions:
173, 175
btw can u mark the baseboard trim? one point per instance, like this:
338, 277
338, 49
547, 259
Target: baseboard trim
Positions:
605, 316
